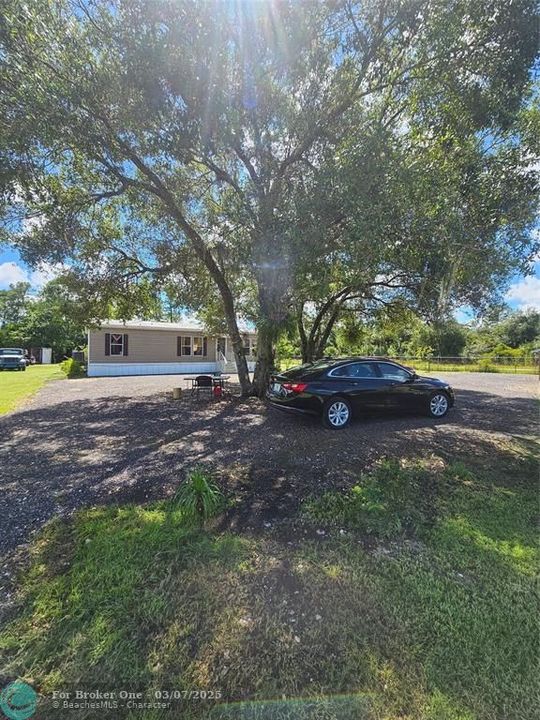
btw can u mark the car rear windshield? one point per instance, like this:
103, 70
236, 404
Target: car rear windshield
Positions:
308, 368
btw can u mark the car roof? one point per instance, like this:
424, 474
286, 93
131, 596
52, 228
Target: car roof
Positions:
326, 364
366, 358
363, 358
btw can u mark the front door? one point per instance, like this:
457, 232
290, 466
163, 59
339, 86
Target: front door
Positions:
221, 347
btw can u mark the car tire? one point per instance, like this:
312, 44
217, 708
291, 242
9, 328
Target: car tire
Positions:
438, 405
337, 413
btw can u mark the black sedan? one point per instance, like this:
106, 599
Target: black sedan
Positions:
338, 389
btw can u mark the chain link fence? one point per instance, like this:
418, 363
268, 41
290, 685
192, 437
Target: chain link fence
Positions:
475, 363
529, 364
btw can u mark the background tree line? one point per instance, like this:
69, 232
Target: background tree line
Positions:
53, 318
405, 334
43, 320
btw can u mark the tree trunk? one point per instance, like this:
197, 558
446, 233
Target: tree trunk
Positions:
236, 338
266, 337
272, 314
306, 344
240, 359
323, 339
313, 344
302, 333
273, 283
226, 297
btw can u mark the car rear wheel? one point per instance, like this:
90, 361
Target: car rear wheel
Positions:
337, 413
438, 405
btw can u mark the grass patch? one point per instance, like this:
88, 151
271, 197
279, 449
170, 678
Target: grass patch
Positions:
18, 386
136, 597
391, 500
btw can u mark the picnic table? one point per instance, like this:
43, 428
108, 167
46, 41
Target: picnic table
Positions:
218, 380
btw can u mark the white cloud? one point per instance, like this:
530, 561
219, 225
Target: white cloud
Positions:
45, 272
535, 235
11, 273
32, 222
526, 293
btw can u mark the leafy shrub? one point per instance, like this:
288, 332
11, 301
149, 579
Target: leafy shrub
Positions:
72, 368
485, 365
390, 501
502, 350
199, 497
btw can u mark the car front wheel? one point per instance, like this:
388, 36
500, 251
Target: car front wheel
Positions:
337, 413
438, 405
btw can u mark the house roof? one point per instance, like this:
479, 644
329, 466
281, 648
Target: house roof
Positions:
185, 325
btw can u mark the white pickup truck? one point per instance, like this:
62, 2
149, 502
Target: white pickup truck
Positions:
12, 359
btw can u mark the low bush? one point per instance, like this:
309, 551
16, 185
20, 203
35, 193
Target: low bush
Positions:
199, 498
390, 501
72, 368
485, 365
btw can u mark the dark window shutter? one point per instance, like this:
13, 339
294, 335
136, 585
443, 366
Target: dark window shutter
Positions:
125, 345
107, 343
205, 346
178, 346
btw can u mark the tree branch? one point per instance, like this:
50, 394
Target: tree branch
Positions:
248, 165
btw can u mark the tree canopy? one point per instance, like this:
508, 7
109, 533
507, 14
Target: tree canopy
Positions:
260, 158
49, 319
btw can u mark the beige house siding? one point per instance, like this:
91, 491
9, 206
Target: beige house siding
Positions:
146, 346
153, 346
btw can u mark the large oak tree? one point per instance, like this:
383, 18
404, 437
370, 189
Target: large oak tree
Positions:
167, 137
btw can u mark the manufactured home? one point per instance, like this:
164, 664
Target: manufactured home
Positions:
137, 347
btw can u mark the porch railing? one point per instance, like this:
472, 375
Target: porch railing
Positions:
221, 361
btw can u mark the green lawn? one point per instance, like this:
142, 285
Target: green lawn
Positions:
16, 386
440, 627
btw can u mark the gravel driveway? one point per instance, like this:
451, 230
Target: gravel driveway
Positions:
98, 440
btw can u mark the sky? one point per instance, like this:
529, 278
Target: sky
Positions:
523, 293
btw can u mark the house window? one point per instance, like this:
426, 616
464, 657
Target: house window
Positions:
195, 345
116, 344
199, 346
250, 347
185, 345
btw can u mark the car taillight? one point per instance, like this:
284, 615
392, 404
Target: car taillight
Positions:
295, 387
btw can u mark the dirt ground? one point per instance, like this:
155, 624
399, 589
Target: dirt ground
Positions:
102, 440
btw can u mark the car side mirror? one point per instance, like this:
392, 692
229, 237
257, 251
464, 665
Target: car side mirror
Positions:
412, 377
